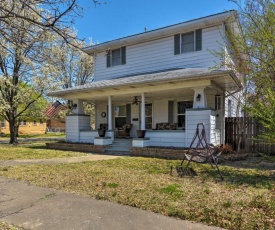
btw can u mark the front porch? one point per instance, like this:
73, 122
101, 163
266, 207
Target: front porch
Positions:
168, 105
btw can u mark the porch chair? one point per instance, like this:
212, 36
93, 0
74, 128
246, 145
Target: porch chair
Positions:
201, 153
124, 131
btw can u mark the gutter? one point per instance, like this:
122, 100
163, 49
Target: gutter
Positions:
86, 87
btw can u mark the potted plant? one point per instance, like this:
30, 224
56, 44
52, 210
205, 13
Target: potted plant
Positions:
102, 130
141, 133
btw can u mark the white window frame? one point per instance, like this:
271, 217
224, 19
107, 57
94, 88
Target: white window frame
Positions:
182, 114
194, 32
110, 54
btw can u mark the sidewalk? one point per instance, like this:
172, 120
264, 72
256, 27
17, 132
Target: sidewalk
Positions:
35, 207
25, 140
91, 157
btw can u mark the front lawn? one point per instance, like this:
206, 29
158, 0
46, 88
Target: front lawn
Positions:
35, 150
244, 200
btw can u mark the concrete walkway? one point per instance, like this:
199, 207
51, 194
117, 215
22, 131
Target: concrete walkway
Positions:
33, 207
27, 139
92, 157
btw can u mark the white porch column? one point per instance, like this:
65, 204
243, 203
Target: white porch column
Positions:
199, 98
142, 111
78, 106
110, 118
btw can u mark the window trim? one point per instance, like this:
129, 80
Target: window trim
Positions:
109, 57
151, 123
182, 114
197, 41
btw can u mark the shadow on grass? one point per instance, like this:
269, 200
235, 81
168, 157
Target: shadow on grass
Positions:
234, 176
258, 163
43, 147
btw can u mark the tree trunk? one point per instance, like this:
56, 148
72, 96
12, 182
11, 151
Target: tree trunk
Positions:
13, 130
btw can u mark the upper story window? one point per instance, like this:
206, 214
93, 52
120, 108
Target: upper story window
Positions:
34, 122
189, 42
116, 57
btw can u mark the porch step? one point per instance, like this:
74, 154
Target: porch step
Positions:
119, 147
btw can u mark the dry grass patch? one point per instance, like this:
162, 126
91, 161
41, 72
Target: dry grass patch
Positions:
244, 200
33, 151
5, 226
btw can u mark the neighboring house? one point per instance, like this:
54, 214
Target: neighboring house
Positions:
54, 125
25, 127
161, 81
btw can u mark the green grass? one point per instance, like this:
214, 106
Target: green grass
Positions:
37, 150
244, 200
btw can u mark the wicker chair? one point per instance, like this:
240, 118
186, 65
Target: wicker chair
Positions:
124, 131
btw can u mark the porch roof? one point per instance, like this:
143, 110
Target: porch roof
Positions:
224, 79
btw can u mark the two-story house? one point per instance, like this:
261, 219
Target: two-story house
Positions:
161, 81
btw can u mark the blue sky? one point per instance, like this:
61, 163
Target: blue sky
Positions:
120, 18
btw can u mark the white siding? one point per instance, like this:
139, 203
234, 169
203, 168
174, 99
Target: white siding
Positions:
236, 105
99, 119
175, 138
159, 55
74, 124
88, 136
160, 111
205, 116
72, 131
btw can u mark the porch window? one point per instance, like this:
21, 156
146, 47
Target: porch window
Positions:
3, 123
148, 116
188, 42
120, 116
182, 106
116, 57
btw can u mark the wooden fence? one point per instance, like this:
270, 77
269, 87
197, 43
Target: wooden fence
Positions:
247, 131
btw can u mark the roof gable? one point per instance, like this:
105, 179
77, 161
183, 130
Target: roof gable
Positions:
204, 22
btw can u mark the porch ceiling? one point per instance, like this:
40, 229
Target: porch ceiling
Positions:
170, 83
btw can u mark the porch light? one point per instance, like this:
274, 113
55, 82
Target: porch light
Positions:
198, 97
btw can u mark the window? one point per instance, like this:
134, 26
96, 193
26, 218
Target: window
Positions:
116, 57
189, 42
34, 122
3, 123
23, 123
218, 102
182, 106
148, 116
229, 108
120, 116
41, 122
